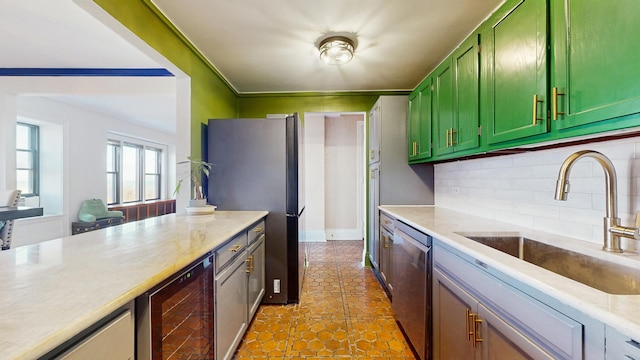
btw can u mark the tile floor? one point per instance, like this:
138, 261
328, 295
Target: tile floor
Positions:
343, 314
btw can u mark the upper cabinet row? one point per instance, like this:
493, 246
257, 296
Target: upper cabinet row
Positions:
535, 71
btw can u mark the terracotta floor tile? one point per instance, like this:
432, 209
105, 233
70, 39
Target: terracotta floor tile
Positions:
343, 314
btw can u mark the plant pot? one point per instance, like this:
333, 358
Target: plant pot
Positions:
197, 202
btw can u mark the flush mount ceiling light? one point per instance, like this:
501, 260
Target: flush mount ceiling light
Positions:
336, 50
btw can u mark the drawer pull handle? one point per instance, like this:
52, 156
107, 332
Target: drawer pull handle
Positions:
258, 230
236, 248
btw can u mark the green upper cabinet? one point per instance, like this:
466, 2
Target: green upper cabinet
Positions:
419, 123
596, 60
514, 73
456, 100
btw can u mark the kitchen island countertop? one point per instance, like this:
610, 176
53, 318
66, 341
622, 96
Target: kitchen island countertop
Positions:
52, 290
621, 312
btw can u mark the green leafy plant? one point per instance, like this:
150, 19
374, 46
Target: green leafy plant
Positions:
198, 167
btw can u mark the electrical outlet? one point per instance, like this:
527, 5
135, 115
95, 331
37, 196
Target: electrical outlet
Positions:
276, 286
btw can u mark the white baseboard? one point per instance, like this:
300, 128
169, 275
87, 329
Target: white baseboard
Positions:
315, 236
343, 234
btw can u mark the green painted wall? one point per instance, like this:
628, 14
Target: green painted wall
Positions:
259, 106
211, 97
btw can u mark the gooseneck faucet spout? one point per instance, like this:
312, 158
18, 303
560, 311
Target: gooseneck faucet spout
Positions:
612, 229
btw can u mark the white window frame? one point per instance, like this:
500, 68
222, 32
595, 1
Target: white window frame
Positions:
143, 145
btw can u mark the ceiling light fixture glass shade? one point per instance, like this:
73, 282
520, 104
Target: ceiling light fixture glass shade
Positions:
336, 50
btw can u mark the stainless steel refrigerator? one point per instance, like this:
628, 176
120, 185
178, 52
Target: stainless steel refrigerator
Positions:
259, 165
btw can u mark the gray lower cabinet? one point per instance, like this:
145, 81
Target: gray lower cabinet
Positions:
239, 287
256, 273
477, 316
386, 248
231, 318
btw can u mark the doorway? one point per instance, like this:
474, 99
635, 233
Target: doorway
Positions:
335, 175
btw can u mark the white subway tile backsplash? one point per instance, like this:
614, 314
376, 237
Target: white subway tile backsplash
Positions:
519, 188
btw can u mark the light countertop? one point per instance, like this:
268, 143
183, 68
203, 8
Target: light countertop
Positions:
52, 290
621, 312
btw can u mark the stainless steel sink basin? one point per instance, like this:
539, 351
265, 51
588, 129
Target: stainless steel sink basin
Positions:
597, 273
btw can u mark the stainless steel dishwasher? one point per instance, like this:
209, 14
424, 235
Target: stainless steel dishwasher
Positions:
411, 271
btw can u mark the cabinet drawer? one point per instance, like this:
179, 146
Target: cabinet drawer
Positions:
386, 222
619, 346
115, 340
255, 231
233, 248
554, 331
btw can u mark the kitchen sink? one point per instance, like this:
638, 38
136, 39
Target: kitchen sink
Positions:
597, 273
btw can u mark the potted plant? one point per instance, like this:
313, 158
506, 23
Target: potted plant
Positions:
198, 167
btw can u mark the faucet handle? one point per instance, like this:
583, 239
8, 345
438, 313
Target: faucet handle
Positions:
636, 231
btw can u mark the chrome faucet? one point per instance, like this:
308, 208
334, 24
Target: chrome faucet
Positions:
612, 229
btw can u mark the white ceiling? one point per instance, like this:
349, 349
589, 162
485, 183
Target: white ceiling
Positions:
61, 34
256, 45
270, 46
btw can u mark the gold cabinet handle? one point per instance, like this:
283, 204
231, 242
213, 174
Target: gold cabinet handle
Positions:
556, 93
447, 138
249, 263
372, 154
236, 248
469, 327
476, 321
259, 229
535, 109
415, 148
452, 132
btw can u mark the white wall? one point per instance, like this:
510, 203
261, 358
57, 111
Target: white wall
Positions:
341, 177
314, 177
519, 189
84, 135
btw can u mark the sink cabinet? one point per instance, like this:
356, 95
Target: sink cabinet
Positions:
477, 316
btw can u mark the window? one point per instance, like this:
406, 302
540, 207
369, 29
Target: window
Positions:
134, 172
113, 172
152, 159
27, 159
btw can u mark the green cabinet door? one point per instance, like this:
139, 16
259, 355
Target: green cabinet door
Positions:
466, 110
424, 148
596, 60
413, 125
419, 123
514, 73
456, 111
443, 108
